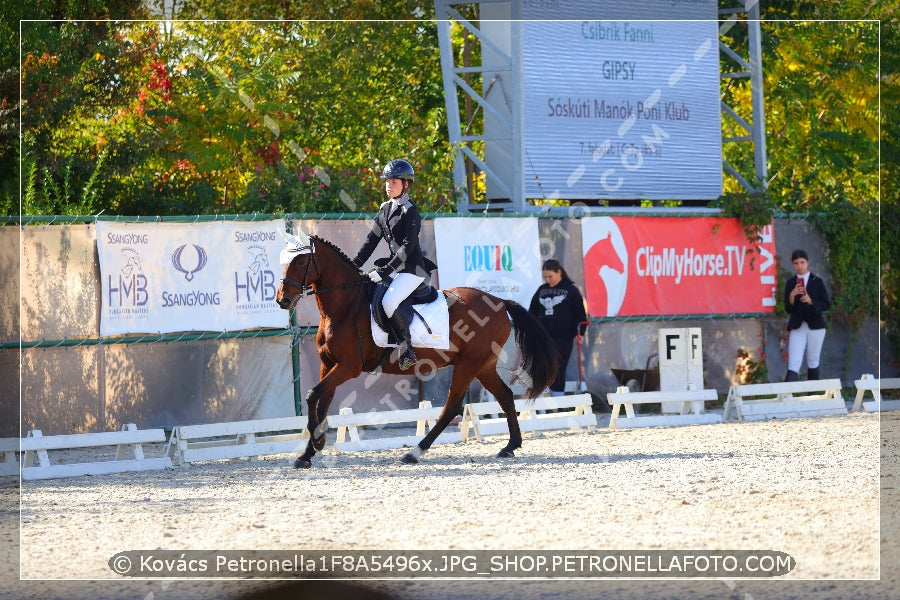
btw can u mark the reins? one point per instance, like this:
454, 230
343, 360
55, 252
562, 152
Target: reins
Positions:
308, 291
312, 292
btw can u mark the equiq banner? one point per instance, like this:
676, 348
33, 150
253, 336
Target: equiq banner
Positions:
169, 277
638, 266
499, 256
621, 107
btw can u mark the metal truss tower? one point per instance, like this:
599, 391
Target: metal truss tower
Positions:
736, 130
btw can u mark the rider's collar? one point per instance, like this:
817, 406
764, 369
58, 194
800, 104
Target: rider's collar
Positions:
402, 201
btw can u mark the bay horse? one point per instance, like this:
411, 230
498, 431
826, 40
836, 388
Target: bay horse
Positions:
480, 325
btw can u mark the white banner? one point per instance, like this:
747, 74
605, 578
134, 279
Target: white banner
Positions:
499, 256
619, 107
170, 277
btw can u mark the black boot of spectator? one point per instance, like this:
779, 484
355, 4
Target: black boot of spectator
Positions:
812, 374
791, 376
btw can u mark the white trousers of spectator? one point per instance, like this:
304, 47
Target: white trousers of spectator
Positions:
804, 339
401, 287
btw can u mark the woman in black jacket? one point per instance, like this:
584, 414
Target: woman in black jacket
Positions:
806, 300
559, 307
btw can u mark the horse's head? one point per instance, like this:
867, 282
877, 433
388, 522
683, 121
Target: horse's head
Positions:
298, 259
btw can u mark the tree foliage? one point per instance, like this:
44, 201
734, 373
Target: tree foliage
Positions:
235, 115
889, 260
823, 132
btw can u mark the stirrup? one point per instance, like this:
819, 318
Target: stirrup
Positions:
407, 360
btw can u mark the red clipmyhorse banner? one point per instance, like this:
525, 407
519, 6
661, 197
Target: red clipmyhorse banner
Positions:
639, 266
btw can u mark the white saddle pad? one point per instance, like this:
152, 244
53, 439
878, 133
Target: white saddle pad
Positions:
435, 314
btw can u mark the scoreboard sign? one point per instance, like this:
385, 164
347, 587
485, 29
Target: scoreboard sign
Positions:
620, 107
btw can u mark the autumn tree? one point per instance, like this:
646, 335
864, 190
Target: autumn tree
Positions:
183, 117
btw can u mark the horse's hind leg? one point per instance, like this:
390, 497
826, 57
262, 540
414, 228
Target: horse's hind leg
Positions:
493, 383
450, 410
462, 377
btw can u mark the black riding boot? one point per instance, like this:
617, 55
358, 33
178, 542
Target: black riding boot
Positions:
407, 358
792, 376
812, 373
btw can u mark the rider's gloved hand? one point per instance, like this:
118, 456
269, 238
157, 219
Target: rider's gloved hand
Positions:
374, 276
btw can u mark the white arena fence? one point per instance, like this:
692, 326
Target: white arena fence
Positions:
31, 456
129, 453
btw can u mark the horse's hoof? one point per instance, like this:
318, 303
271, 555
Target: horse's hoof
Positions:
319, 443
506, 454
409, 459
302, 463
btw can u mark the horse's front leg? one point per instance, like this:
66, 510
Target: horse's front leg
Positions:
318, 401
315, 425
317, 437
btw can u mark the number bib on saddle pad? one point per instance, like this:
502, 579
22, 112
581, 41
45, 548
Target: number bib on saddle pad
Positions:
436, 315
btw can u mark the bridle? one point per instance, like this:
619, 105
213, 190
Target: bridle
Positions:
305, 287
306, 290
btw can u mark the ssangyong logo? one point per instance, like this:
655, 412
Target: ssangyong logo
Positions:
189, 263
178, 259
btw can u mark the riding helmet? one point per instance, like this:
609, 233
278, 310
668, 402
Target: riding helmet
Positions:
398, 169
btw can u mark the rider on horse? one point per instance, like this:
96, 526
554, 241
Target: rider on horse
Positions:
398, 223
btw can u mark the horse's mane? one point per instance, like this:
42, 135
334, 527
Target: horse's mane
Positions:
336, 249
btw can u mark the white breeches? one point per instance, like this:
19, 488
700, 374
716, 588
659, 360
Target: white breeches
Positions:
804, 339
401, 287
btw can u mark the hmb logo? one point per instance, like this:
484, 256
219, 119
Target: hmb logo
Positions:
488, 258
257, 283
132, 284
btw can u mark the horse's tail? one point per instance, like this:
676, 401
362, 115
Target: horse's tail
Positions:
539, 356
